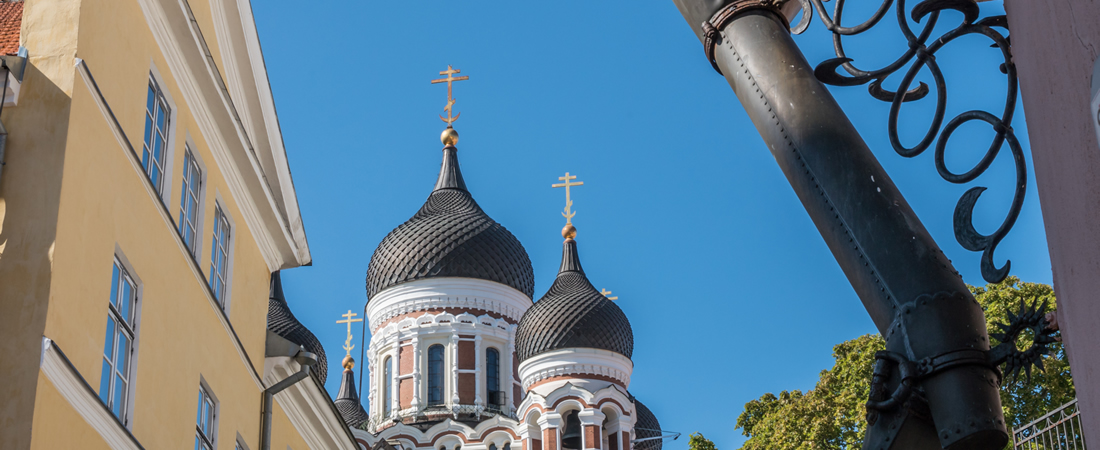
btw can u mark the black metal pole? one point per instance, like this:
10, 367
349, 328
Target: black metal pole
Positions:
935, 388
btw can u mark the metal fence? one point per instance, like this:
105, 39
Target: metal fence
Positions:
1058, 430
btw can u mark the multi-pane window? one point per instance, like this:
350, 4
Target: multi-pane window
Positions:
492, 377
387, 387
114, 380
189, 204
155, 143
205, 421
435, 375
219, 255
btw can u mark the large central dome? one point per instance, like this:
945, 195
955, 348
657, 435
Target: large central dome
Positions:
450, 237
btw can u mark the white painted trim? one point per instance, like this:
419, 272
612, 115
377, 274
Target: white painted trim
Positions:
575, 361
75, 389
446, 292
205, 106
309, 408
128, 149
274, 129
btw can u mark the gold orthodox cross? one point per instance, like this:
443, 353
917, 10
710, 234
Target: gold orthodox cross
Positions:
607, 293
450, 72
348, 320
568, 214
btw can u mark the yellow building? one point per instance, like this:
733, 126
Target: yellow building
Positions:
145, 204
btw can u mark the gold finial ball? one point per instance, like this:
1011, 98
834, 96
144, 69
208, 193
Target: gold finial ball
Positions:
569, 231
449, 136
349, 362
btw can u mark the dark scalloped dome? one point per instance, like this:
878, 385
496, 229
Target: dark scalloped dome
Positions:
573, 314
450, 237
283, 323
646, 426
347, 402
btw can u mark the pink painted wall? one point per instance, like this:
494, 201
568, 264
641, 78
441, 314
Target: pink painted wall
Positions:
1054, 44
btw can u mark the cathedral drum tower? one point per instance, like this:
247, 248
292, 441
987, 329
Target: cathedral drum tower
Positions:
461, 358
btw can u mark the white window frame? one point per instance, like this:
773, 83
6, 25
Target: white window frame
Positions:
164, 190
206, 398
121, 271
156, 99
221, 218
192, 161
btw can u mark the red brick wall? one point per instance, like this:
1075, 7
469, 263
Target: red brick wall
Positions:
626, 440
537, 444
517, 395
515, 365
466, 356
592, 436
406, 393
613, 441
405, 358
467, 388
550, 437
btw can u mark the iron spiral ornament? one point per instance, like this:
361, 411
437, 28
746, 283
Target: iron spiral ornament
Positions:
920, 54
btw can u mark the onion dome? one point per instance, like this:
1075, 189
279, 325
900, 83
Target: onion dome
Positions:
646, 426
347, 400
450, 237
573, 314
282, 322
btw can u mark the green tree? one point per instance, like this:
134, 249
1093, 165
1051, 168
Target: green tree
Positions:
832, 416
698, 442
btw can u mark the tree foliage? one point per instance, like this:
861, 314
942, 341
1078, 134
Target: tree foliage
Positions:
698, 442
832, 414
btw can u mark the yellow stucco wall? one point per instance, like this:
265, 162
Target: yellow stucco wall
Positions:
53, 408
81, 203
29, 192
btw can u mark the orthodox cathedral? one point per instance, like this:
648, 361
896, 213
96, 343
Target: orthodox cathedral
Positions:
461, 357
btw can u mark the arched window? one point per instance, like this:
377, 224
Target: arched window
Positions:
435, 375
492, 447
492, 378
387, 385
507, 446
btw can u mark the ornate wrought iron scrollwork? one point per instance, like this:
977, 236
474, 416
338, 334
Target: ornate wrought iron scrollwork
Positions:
921, 54
1032, 318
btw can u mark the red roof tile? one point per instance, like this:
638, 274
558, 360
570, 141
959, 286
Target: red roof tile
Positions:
11, 19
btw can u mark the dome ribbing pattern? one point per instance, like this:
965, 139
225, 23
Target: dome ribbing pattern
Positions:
450, 237
347, 402
573, 314
646, 426
283, 323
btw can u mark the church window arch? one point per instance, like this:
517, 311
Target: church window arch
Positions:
492, 379
387, 385
435, 374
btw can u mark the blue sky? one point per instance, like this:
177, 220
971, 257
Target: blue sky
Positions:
684, 214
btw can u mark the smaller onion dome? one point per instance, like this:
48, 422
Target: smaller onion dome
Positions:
347, 400
283, 323
573, 314
451, 236
646, 426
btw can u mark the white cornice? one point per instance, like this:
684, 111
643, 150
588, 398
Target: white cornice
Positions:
75, 389
446, 292
309, 408
575, 361
205, 94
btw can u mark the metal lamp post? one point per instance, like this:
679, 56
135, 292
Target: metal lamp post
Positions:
936, 385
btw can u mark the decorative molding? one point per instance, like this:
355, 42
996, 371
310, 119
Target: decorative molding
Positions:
135, 162
189, 81
76, 390
446, 292
575, 361
309, 408
411, 327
